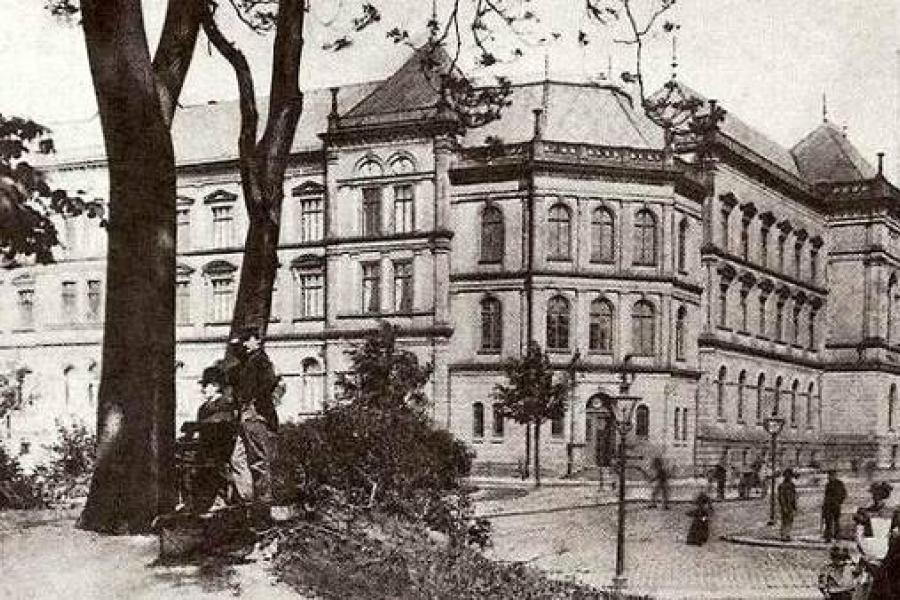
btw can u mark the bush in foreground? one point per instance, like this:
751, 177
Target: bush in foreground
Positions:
17, 490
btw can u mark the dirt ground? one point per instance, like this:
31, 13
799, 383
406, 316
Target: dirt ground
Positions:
43, 556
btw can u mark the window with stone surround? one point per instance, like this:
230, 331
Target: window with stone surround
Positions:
371, 212
644, 238
720, 393
559, 238
371, 287
492, 234
491, 324
404, 203
643, 329
477, 420
557, 324
601, 327
602, 236
680, 333
403, 286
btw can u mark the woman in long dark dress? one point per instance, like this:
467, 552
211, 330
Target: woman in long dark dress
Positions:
698, 533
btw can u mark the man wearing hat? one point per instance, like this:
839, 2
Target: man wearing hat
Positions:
254, 382
787, 504
835, 494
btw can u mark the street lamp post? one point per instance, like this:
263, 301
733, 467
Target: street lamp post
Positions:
773, 426
621, 410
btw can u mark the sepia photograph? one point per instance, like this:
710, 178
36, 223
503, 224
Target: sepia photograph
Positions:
450, 299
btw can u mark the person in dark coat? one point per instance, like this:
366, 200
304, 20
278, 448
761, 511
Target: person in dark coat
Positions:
719, 476
835, 494
660, 480
254, 382
787, 504
698, 533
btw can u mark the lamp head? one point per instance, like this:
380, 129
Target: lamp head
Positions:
773, 425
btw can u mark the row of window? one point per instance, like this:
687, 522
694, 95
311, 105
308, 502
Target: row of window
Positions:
644, 236
785, 229
78, 303
641, 420
793, 396
600, 327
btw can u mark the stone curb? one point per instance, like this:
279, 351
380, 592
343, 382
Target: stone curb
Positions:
797, 544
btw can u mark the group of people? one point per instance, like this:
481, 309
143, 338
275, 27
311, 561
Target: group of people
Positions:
237, 423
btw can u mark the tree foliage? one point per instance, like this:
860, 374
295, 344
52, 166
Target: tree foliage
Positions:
27, 199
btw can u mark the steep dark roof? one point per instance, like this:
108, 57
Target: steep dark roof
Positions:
827, 155
574, 112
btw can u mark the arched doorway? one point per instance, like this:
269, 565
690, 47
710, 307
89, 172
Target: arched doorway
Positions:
600, 430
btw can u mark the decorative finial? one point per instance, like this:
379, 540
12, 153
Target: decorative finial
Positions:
675, 51
881, 163
824, 108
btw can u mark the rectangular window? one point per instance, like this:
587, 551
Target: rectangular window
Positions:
183, 302
222, 300
371, 287
557, 427
497, 421
25, 301
183, 231
69, 301
676, 429
371, 212
223, 226
403, 287
94, 298
309, 298
310, 219
403, 208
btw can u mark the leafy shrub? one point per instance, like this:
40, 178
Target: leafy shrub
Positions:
66, 475
17, 490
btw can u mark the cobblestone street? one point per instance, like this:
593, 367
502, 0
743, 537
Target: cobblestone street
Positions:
579, 542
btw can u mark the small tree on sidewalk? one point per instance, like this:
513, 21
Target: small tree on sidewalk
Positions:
533, 395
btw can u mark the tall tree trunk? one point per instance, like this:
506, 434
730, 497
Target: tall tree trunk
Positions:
134, 477
527, 463
537, 453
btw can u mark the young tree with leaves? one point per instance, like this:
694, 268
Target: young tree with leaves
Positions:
534, 394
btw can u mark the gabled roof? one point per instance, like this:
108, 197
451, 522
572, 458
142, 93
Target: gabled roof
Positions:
405, 94
583, 113
747, 136
827, 155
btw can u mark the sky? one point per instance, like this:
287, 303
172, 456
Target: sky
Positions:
770, 62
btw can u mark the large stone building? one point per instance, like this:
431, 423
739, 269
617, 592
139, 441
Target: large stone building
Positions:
763, 283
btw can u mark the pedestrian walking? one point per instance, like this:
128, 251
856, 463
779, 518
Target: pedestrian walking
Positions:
255, 384
719, 476
660, 479
787, 504
835, 494
698, 532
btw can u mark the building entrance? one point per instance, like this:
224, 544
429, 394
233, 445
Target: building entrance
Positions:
600, 431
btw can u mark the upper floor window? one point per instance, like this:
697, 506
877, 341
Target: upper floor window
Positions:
371, 211
725, 215
601, 327
371, 287
723, 301
782, 240
25, 305
558, 324
779, 321
644, 238
798, 260
811, 324
602, 236
813, 264
309, 287
311, 213
890, 307
403, 286
776, 402
720, 394
643, 329
402, 165
795, 325
892, 405
680, 332
94, 299
220, 276
762, 314
183, 301
491, 234
491, 325
745, 291
183, 227
557, 426
498, 420
745, 239
809, 405
760, 397
682, 245
223, 226
742, 386
370, 167
69, 301
795, 388
559, 241
764, 246
642, 421
404, 200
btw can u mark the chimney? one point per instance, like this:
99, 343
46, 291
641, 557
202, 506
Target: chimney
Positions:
881, 163
333, 115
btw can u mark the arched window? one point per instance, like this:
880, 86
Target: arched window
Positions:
680, 332
601, 327
602, 236
558, 324
68, 376
795, 389
892, 405
720, 394
313, 386
491, 324
559, 240
809, 406
478, 420
891, 293
497, 417
682, 245
492, 234
642, 421
745, 238
643, 329
760, 397
644, 238
776, 405
742, 384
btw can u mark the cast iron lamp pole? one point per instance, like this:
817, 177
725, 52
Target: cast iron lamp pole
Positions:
623, 421
773, 425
